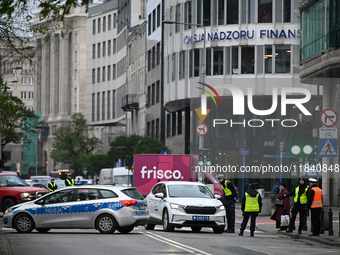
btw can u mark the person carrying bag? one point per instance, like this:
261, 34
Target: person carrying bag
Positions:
282, 209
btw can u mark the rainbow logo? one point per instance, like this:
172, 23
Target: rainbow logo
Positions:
209, 93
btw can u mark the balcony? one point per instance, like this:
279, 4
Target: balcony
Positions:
130, 102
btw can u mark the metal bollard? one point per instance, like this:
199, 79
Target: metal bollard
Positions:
330, 215
322, 222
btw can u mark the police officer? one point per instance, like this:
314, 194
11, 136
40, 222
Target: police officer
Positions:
229, 202
300, 202
251, 206
314, 204
52, 186
69, 181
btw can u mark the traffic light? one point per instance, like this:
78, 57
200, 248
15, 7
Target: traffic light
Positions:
301, 141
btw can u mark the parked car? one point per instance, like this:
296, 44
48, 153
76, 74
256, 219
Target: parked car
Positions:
177, 204
105, 208
13, 191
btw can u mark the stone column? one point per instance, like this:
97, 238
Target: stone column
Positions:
53, 75
37, 83
63, 75
43, 76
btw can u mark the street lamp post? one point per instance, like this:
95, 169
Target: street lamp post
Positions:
203, 95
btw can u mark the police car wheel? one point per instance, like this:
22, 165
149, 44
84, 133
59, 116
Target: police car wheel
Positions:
125, 230
149, 226
218, 230
165, 222
106, 224
23, 223
43, 230
196, 229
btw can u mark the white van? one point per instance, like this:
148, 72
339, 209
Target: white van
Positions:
43, 179
119, 175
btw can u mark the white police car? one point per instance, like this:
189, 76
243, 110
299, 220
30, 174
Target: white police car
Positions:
178, 204
105, 208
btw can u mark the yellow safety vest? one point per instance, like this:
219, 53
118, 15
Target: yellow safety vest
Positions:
252, 203
303, 198
317, 199
53, 186
227, 192
70, 182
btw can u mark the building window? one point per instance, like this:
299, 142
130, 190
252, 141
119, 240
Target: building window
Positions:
206, 12
157, 129
282, 58
149, 96
94, 26
260, 59
109, 72
104, 49
114, 72
148, 128
109, 47
114, 20
247, 59
30, 95
179, 126
153, 57
173, 67
149, 24
190, 63
108, 104
157, 91
93, 51
174, 123
232, 12
104, 24
114, 104
103, 74
149, 60
199, 12
109, 22
99, 25
103, 106
287, 11
265, 11
181, 65
158, 56
98, 106
98, 50
30, 80
187, 15
153, 93
158, 15
114, 46
234, 61
93, 107
153, 129
154, 20
221, 11
218, 61
196, 62
251, 11
268, 58
98, 74
178, 17
168, 129
93, 76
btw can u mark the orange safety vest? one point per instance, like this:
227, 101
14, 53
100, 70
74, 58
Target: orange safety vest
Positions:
317, 199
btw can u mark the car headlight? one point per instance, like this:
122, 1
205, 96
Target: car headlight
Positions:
25, 196
176, 206
220, 208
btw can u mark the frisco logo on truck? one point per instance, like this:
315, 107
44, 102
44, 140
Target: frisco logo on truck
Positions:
160, 174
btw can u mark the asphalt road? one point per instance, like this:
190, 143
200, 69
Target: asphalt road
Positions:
141, 241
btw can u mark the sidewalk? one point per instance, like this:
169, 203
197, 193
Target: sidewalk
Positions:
264, 223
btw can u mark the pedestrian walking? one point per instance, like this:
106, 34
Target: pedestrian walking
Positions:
251, 207
276, 189
229, 199
281, 210
300, 202
69, 181
315, 205
52, 186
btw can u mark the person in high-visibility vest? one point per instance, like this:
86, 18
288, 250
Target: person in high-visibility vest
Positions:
229, 202
300, 202
52, 186
314, 204
251, 207
69, 180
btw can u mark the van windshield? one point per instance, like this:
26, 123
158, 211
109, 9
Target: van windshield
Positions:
123, 179
10, 181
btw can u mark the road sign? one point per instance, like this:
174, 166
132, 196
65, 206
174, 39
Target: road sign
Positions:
165, 153
328, 117
118, 164
328, 148
328, 133
202, 129
200, 115
244, 151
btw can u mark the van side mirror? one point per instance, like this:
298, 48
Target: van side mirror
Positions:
159, 195
218, 196
39, 202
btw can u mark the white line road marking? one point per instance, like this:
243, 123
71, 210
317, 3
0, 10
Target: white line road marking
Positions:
174, 243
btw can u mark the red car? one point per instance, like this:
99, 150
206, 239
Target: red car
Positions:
14, 191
